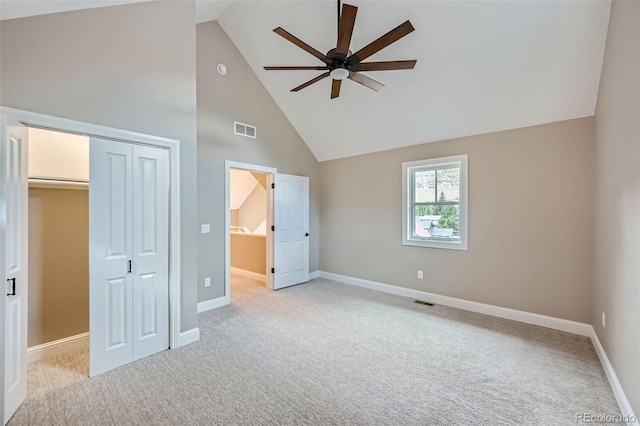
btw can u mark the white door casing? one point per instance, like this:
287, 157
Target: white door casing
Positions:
291, 235
14, 218
110, 250
150, 251
129, 254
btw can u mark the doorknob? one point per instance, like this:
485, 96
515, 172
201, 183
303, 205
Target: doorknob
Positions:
306, 234
13, 287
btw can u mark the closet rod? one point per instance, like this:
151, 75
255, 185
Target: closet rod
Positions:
57, 183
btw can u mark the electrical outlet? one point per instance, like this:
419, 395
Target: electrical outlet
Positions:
420, 276
205, 228
604, 320
207, 282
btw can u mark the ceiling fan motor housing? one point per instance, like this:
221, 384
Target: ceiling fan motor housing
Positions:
349, 62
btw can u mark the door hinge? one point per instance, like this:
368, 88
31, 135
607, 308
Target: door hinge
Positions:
273, 270
13, 286
273, 228
273, 185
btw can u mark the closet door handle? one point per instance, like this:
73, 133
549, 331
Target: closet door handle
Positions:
13, 287
129, 271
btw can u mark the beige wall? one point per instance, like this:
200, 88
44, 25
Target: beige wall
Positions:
249, 252
530, 220
617, 245
58, 264
239, 96
130, 67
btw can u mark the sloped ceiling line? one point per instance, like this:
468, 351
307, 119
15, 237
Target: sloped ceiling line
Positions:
482, 67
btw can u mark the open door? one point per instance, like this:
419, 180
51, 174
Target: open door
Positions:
128, 253
13, 242
291, 234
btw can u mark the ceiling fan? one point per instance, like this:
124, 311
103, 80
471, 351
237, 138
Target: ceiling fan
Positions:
340, 63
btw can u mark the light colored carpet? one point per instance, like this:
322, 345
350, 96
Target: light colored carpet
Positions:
329, 353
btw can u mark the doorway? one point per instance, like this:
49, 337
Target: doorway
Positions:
286, 224
97, 254
14, 238
249, 218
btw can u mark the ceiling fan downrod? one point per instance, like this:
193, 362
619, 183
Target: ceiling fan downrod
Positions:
338, 27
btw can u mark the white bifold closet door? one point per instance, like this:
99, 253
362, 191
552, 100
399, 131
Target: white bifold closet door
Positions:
128, 253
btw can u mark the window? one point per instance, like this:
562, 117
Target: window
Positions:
434, 203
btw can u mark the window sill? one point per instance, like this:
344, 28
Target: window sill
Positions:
436, 244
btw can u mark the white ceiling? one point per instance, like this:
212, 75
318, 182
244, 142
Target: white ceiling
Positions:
206, 10
482, 67
10, 9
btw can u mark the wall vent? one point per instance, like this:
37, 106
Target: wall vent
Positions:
244, 130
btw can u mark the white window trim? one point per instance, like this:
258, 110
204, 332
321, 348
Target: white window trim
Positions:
462, 244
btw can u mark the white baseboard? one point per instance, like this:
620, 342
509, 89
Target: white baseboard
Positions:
189, 336
249, 274
58, 347
574, 327
213, 304
313, 275
621, 397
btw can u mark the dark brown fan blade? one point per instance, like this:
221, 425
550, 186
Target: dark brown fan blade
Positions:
345, 31
287, 68
391, 37
388, 66
301, 44
310, 82
366, 81
335, 88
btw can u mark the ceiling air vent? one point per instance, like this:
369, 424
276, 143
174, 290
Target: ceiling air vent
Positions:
244, 130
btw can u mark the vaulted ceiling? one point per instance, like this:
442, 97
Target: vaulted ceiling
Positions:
482, 66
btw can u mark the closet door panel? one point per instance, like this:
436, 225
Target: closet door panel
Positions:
13, 265
150, 250
110, 252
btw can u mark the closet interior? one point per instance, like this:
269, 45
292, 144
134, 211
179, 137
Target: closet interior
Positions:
58, 288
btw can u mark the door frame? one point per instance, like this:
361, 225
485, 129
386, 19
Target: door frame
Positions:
47, 122
270, 172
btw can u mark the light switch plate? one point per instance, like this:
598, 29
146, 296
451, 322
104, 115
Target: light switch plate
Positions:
205, 228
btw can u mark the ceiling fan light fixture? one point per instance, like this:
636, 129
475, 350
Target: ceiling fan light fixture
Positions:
339, 74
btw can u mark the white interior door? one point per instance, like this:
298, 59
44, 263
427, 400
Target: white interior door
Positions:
128, 252
291, 235
14, 212
150, 251
110, 254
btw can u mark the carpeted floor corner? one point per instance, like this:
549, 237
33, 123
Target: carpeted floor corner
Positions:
329, 353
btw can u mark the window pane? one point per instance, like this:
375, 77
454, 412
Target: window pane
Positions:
437, 222
425, 186
449, 184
